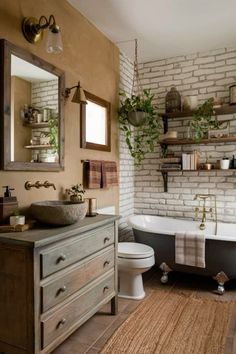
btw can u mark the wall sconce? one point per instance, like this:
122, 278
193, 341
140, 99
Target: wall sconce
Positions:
33, 32
79, 95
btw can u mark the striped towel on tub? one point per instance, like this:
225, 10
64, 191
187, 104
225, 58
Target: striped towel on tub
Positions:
190, 249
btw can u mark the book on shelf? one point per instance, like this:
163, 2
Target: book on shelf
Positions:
190, 161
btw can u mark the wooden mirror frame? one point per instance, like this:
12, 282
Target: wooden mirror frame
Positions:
88, 145
6, 50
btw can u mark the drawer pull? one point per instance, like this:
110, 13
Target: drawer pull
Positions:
61, 290
61, 323
105, 288
62, 257
106, 263
106, 239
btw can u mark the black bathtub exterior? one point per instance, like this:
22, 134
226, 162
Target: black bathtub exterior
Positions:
220, 255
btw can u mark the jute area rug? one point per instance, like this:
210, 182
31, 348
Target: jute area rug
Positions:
173, 322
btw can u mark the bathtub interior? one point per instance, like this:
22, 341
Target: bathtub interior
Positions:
170, 226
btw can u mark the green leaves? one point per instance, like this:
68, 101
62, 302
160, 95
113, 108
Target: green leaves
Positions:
53, 133
204, 120
140, 140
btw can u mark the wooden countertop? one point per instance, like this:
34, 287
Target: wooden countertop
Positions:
44, 235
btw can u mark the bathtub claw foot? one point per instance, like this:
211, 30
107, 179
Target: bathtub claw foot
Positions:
221, 279
166, 270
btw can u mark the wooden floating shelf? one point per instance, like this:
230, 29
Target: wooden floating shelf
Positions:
39, 147
218, 111
165, 172
228, 139
36, 125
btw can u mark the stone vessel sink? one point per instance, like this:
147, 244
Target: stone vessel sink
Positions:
55, 212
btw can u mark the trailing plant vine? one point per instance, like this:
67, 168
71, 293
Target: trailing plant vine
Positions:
204, 119
140, 140
53, 133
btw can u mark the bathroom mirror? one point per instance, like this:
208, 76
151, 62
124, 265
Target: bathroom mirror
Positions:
32, 111
95, 123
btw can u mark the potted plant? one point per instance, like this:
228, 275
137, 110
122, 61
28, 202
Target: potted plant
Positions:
76, 193
141, 132
51, 137
205, 120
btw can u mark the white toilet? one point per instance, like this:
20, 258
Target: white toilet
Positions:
133, 260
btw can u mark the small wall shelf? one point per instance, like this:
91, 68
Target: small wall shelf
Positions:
36, 125
38, 147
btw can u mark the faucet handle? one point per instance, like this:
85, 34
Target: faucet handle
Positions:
196, 210
38, 184
46, 184
211, 212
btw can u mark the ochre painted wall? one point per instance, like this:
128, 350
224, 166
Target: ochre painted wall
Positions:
88, 56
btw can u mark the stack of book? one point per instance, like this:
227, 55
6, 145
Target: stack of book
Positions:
171, 166
170, 163
190, 161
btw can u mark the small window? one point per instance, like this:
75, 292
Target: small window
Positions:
95, 123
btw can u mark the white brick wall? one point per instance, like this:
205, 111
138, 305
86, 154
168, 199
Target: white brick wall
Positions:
203, 74
126, 206
45, 94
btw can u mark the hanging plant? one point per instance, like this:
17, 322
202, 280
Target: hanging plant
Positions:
140, 139
138, 118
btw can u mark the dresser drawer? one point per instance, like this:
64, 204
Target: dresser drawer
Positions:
8, 349
66, 254
59, 289
62, 320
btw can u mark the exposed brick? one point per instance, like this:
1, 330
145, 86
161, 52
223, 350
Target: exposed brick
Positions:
204, 60
214, 72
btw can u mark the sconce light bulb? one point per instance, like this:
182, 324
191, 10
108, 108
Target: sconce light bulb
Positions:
54, 42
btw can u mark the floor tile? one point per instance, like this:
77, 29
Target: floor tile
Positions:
92, 336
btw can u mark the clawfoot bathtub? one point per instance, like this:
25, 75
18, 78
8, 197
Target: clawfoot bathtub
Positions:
158, 232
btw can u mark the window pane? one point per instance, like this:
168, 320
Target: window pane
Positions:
96, 123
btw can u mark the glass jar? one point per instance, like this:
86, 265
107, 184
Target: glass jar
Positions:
173, 101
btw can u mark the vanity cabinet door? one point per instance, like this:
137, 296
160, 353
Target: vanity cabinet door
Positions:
13, 296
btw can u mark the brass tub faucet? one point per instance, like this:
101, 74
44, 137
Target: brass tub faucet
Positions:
206, 211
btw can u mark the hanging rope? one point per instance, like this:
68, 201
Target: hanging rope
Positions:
136, 79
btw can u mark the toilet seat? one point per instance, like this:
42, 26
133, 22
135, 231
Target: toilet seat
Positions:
132, 250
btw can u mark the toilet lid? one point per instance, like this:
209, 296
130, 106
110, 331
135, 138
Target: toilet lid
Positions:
134, 250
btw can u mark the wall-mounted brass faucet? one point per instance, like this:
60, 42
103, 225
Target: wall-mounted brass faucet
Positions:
37, 184
206, 211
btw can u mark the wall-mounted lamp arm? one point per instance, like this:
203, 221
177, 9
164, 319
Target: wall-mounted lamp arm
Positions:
68, 91
33, 31
79, 95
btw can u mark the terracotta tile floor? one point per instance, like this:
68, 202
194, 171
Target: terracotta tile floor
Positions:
92, 336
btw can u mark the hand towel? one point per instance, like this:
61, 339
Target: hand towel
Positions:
94, 174
109, 174
190, 249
